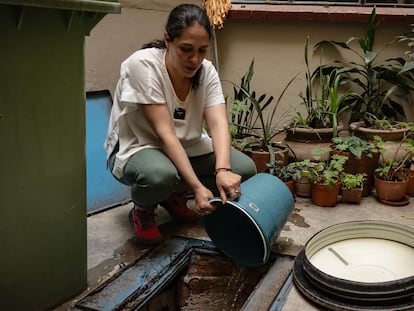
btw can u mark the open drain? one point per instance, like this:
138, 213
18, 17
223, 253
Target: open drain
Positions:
362, 265
190, 274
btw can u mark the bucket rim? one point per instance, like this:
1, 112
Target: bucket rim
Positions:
266, 247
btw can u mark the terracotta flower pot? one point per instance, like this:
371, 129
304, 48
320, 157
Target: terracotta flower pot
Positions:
324, 196
392, 191
303, 187
291, 185
311, 135
368, 133
410, 187
365, 165
261, 158
352, 195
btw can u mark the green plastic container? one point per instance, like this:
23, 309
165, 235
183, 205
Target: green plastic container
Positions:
43, 244
245, 229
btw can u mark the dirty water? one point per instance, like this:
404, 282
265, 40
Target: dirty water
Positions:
123, 255
297, 219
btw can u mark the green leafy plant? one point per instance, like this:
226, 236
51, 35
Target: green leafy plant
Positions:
355, 145
324, 107
408, 38
312, 118
243, 143
239, 112
260, 120
305, 165
375, 81
389, 167
285, 172
242, 110
386, 124
353, 181
327, 171
337, 103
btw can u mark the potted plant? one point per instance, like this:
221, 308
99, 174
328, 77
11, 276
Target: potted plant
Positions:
324, 103
390, 181
303, 187
242, 111
409, 172
325, 178
362, 156
261, 124
386, 129
376, 82
352, 186
289, 174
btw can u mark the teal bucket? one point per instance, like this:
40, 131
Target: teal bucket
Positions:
244, 229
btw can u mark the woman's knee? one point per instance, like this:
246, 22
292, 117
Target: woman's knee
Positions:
153, 185
152, 176
150, 168
161, 178
243, 164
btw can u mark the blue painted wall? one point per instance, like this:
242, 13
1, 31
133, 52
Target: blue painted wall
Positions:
102, 189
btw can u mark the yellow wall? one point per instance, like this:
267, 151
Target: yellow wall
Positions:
276, 46
278, 50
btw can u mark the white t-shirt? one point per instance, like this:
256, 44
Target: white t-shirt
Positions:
144, 80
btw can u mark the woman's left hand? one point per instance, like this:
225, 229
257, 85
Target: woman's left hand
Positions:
228, 185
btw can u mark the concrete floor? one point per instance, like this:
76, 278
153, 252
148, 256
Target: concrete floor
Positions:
111, 245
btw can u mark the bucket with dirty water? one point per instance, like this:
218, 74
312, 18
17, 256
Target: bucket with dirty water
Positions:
244, 229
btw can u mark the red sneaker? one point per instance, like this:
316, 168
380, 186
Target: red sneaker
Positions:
176, 205
145, 226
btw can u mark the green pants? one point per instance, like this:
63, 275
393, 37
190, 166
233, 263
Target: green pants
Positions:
153, 177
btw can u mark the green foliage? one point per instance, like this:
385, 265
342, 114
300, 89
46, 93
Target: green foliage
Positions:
375, 81
337, 102
353, 181
322, 110
355, 145
244, 144
242, 111
389, 167
256, 117
304, 166
327, 171
408, 38
285, 172
386, 124
239, 110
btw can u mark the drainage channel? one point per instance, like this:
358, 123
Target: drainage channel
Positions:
190, 274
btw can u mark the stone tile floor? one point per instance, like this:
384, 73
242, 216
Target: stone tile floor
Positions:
111, 244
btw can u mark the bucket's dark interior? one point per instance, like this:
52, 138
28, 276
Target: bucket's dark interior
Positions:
183, 274
236, 235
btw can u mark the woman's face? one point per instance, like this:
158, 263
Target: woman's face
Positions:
186, 52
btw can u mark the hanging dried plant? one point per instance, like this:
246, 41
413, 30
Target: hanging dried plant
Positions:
217, 11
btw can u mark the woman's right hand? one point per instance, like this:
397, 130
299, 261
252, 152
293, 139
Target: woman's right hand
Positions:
228, 185
202, 197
